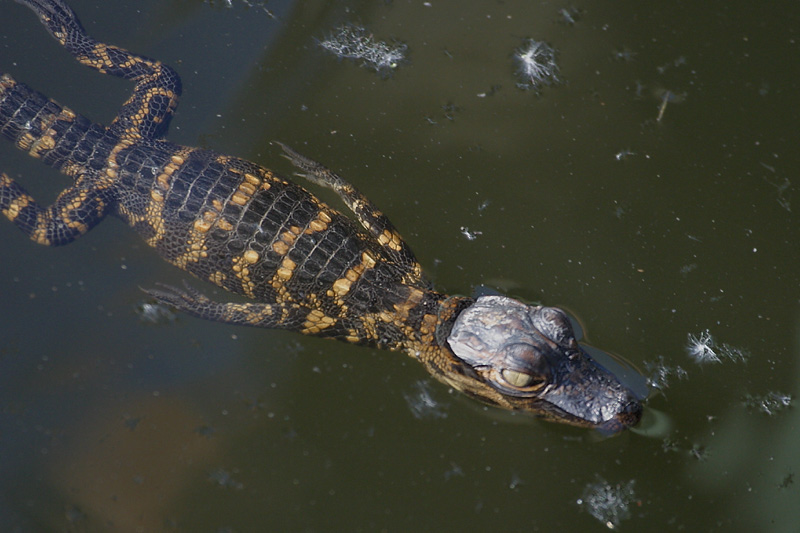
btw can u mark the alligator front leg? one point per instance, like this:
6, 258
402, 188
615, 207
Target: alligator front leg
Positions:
367, 213
277, 315
195, 303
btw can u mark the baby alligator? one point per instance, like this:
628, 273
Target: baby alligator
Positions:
301, 265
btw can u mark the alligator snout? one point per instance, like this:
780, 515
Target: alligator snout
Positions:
628, 416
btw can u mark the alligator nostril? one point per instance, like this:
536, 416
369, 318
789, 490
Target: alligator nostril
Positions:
631, 413
628, 416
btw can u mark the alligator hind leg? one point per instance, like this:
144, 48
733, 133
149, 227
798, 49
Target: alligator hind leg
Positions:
367, 213
148, 110
75, 211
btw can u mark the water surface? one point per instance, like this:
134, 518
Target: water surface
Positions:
648, 230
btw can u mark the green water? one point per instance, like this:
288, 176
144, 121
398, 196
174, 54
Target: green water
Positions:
647, 230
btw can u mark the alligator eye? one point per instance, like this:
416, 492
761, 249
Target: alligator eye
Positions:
517, 378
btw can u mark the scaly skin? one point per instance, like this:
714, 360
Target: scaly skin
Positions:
304, 266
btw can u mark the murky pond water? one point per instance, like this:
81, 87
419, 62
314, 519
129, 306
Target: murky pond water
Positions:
652, 191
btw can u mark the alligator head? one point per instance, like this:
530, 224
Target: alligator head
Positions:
527, 358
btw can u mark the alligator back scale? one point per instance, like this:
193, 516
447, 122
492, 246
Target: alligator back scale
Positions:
301, 265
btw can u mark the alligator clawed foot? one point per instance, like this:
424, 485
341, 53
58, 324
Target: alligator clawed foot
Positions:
309, 169
187, 298
299, 160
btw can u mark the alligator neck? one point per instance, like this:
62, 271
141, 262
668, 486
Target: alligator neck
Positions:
427, 320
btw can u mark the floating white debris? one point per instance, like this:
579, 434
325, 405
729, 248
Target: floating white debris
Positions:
422, 404
624, 154
784, 189
569, 16
770, 403
704, 349
536, 64
623, 55
699, 452
229, 4
701, 348
737, 355
610, 504
660, 373
666, 96
353, 42
470, 235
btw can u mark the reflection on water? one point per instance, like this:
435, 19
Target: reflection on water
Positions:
650, 192
655, 424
